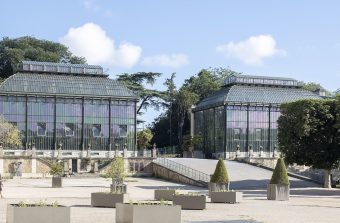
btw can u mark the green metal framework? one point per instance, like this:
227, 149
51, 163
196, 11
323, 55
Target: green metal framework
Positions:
243, 114
75, 110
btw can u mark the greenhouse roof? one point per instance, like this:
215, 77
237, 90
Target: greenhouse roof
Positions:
262, 80
249, 94
64, 85
61, 68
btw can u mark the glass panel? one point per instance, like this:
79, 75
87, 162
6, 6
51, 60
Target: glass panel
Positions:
69, 129
96, 130
122, 130
41, 129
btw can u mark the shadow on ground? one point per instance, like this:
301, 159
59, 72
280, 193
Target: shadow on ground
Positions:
231, 221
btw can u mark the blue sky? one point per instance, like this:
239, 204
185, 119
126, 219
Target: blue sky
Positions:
299, 39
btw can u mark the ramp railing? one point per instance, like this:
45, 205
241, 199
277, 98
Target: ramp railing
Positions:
182, 169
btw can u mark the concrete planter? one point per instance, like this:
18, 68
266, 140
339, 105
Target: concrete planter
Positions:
164, 194
122, 188
278, 192
128, 213
190, 202
108, 200
214, 187
226, 197
16, 214
57, 182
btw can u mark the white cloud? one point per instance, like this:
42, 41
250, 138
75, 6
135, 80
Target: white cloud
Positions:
92, 42
164, 60
253, 50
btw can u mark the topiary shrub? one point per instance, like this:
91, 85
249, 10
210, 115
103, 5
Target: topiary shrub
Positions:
280, 175
220, 175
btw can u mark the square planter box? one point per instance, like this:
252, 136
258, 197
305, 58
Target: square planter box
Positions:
164, 194
214, 187
190, 202
278, 192
121, 187
57, 182
108, 200
47, 214
226, 197
127, 213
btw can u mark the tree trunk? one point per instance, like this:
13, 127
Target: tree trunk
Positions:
327, 180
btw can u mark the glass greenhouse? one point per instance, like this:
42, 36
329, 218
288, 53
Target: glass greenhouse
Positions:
242, 116
68, 107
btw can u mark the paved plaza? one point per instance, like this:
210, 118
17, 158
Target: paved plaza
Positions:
310, 204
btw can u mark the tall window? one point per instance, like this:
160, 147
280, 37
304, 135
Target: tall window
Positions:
41, 129
258, 134
122, 130
69, 129
96, 130
237, 134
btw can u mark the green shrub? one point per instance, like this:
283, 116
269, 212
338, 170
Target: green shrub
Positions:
280, 175
221, 174
57, 169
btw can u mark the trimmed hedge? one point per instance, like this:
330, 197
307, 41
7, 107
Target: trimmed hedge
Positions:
280, 175
221, 174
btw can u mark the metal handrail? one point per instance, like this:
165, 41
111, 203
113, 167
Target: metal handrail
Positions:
182, 169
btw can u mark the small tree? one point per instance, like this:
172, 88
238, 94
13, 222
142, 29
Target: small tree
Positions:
280, 175
190, 142
56, 169
116, 171
9, 134
220, 175
144, 138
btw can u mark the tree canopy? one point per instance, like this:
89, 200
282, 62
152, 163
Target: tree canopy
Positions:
9, 134
138, 83
12, 51
144, 138
308, 134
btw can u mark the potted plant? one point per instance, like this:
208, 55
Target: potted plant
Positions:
56, 170
220, 179
117, 173
219, 186
190, 201
40, 212
189, 143
278, 189
164, 194
148, 212
108, 199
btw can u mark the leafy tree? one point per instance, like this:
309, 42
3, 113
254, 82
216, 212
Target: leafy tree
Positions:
116, 171
311, 86
221, 174
9, 134
178, 103
137, 82
309, 134
189, 142
280, 175
207, 81
184, 101
12, 51
144, 138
